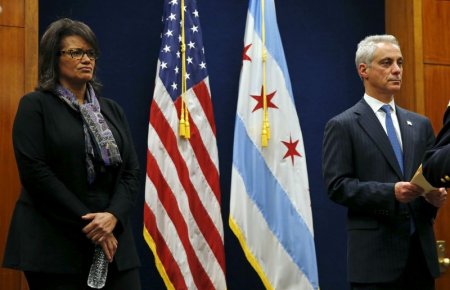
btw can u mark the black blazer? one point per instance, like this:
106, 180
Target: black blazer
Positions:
436, 164
360, 170
45, 232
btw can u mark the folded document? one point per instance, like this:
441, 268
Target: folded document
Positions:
420, 180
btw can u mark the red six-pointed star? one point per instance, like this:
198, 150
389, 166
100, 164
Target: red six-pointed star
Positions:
260, 100
292, 151
244, 53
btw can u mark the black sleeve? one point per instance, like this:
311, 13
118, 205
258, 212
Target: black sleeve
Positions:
436, 163
47, 192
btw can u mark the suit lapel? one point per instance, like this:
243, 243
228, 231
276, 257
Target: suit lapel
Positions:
371, 125
406, 129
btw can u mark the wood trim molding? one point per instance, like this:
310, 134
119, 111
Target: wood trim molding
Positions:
419, 81
31, 44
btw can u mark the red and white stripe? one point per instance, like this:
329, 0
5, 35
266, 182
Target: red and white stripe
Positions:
182, 217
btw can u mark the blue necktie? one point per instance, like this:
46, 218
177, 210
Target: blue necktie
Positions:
398, 153
393, 136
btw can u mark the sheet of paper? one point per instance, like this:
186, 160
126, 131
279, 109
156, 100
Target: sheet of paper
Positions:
420, 180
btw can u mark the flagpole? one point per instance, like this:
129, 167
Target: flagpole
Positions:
184, 116
265, 134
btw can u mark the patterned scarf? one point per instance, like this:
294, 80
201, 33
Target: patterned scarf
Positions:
98, 138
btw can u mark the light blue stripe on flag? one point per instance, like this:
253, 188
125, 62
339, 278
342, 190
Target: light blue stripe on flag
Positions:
270, 198
273, 40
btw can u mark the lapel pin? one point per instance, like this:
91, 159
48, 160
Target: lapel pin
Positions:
409, 123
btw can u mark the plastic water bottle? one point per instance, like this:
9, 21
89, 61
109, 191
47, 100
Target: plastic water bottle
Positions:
99, 269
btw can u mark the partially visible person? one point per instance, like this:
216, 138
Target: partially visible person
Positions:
436, 164
370, 152
78, 169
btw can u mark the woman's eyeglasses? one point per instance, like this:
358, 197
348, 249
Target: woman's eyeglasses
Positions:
79, 53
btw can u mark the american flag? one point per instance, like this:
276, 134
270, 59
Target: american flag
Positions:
182, 216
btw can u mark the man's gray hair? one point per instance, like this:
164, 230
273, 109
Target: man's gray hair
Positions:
367, 46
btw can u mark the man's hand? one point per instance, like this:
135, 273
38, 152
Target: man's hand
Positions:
437, 197
406, 191
101, 225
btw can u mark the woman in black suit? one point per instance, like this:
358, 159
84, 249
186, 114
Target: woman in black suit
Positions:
78, 169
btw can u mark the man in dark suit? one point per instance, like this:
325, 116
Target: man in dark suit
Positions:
370, 152
436, 164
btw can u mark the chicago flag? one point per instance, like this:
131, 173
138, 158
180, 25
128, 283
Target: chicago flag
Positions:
270, 210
